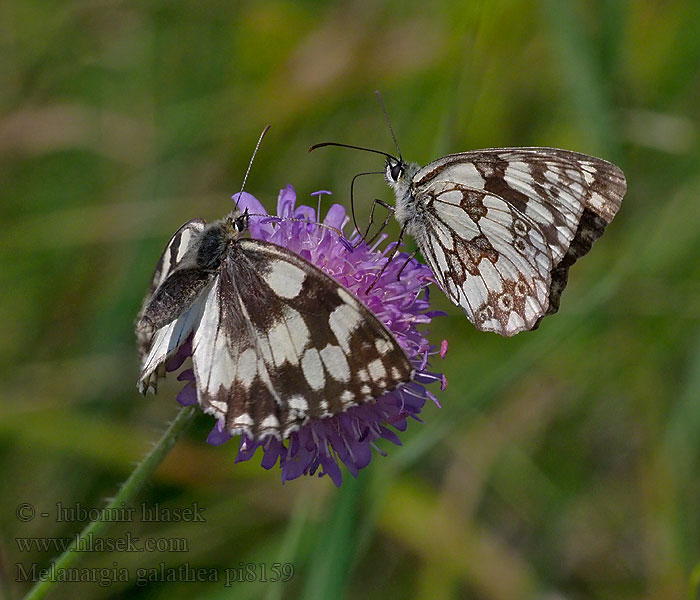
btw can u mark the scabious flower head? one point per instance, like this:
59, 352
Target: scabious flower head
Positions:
400, 303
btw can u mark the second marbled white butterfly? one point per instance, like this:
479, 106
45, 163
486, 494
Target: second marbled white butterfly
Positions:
501, 227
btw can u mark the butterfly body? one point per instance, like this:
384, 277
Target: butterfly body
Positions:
275, 340
399, 176
500, 227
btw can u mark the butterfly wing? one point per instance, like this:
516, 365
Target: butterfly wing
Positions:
280, 342
517, 219
488, 258
174, 252
156, 346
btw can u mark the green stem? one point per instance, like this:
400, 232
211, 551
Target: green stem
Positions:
128, 490
336, 543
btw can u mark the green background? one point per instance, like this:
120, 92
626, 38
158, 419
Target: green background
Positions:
564, 462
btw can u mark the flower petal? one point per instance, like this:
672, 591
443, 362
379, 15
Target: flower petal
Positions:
285, 202
218, 435
335, 216
250, 203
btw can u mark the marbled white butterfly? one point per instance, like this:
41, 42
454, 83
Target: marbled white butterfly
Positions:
501, 227
275, 340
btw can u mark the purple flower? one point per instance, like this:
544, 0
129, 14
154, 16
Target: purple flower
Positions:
401, 304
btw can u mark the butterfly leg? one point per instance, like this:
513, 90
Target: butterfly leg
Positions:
390, 208
408, 260
352, 196
391, 257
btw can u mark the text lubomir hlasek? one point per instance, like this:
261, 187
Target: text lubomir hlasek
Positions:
147, 513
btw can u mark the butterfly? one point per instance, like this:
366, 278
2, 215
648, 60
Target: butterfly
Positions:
501, 227
275, 341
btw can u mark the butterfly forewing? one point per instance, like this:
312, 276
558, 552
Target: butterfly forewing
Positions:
281, 342
549, 185
501, 227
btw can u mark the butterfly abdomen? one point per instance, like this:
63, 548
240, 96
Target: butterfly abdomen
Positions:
174, 296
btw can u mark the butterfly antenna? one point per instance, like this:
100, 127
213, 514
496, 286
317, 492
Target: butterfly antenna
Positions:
265, 218
388, 122
323, 144
250, 164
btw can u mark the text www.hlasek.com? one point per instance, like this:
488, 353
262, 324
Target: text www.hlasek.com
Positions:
89, 543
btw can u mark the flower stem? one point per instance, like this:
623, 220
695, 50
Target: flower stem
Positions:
336, 544
128, 490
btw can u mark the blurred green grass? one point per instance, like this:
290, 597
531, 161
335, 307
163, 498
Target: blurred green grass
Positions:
564, 462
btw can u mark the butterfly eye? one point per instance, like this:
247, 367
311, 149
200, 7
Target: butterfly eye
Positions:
396, 171
241, 223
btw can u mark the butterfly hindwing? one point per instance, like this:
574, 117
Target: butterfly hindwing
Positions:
280, 342
166, 339
490, 260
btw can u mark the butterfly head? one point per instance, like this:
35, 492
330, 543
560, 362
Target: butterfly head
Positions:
240, 220
236, 222
394, 169
398, 174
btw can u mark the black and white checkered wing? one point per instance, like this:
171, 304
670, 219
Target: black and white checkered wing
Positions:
155, 347
281, 342
174, 252
501, 227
